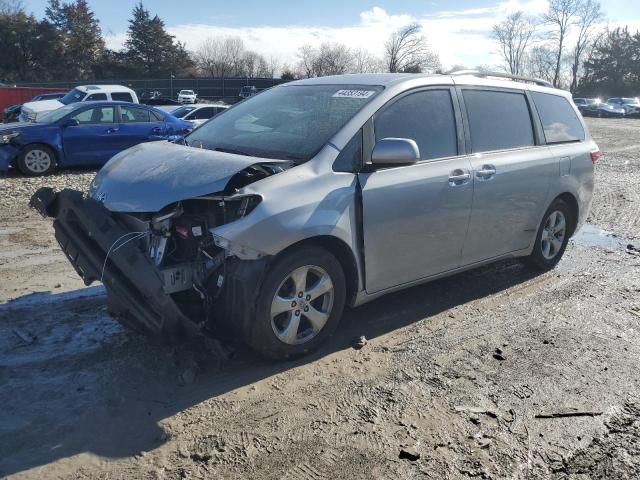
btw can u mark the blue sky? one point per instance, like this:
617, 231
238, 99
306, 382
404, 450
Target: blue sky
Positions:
457, 29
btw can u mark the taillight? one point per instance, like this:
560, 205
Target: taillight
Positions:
595, 156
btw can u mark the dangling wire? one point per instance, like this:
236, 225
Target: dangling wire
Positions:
136, 237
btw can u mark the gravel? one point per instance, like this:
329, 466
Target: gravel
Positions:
16, 189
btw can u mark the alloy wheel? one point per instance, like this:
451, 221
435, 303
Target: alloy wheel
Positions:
302, 305
553, 233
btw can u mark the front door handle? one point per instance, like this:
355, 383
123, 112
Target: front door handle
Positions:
112, 130
157, 130
459, 177
487, 172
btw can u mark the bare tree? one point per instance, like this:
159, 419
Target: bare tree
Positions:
540, 62
327, 59
588, 15
221, 57
10, 8
365, 62
407, 51
514, 35
560, 16
273, 65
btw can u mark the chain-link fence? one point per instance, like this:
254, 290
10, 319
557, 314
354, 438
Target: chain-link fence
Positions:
226, 89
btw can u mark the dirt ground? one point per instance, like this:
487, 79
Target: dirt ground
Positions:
494, 373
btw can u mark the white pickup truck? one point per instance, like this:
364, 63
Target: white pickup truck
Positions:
31, 111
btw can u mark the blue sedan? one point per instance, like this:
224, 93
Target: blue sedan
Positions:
84, 134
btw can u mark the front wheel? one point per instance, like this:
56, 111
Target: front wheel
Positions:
553, 236
36, 160
299, 305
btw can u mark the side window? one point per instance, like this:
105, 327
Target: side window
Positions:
96, 97
157, 117
350, 158
559, 120
203, 113
121, 97
498, 120
426, 117
134, 115
95, 116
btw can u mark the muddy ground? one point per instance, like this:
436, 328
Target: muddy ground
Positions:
475, 374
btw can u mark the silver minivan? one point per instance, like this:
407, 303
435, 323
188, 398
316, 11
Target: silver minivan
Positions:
265, 222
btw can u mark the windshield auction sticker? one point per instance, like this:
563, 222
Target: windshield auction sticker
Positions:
353, 93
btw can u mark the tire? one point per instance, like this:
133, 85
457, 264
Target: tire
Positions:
552, 237
271, 333
36, 160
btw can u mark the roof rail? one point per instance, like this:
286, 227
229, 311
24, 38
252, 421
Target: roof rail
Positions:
510, 76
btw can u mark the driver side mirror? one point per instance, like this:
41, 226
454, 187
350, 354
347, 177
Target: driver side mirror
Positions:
395, 151
71, 122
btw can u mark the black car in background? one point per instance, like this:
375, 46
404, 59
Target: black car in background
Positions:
12, 112
602, 110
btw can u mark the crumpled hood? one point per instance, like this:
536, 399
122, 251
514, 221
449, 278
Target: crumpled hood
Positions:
150, 176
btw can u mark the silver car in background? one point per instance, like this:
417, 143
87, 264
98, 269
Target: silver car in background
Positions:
266, 221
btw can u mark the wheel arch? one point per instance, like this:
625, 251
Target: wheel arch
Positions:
572, 202
343, 253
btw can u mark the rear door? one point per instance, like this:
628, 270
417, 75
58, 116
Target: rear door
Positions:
415, 217
512, 170
95, 140
138, 125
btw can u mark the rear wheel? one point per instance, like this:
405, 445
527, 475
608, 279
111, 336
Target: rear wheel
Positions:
553, 236
299, 305
36, 160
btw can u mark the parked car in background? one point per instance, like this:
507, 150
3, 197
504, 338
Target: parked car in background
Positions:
630, 105
585, 102
602, 110
248, 91
83, 134
199, 112
32, 111
12, 112
187, 96
324, 192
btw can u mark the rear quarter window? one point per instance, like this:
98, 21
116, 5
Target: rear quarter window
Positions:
559, 120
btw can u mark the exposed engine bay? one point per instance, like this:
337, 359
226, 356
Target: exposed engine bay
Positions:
190, 264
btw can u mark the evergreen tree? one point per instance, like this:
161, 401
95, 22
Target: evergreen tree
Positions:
151, 49
81, 36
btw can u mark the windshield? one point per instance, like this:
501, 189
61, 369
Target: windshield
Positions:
186, 92
57, 114
182, 111
292, 122
73, 96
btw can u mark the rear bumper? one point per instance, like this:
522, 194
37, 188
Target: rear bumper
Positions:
86, 231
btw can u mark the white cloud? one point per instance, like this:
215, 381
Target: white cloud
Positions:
459, 37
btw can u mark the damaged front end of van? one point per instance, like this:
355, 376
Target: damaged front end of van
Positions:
147, 231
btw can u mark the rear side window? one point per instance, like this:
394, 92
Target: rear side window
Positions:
122, 97
157, 116
498, 120
96, 97
427, 118
559, 119
203, 113
134, 115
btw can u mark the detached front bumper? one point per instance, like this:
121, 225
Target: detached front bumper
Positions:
86, 231
137, 296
